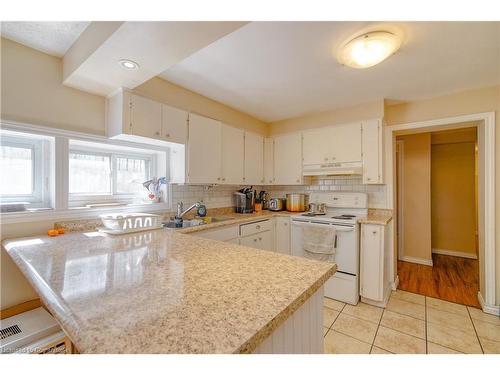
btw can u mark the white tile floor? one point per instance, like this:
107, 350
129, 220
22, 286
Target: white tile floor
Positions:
410, 323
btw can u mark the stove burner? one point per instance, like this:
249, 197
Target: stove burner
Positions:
344, 217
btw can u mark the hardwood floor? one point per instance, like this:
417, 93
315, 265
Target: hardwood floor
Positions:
452, 279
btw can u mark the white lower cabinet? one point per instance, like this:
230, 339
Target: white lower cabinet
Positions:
282, 235
262, 240
374, 264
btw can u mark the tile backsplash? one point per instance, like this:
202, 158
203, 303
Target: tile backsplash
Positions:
222, 195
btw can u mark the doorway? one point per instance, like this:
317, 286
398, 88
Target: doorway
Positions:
437, 214
459, 274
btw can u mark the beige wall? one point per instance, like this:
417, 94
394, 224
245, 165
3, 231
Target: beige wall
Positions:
32, 92
467, 102
372, 110
167, 92
453, 190
416, 192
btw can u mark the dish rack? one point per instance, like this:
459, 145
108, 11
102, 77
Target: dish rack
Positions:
128, 223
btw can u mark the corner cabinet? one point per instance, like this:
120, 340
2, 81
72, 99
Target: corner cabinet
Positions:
375, 264
129, 115
372, 148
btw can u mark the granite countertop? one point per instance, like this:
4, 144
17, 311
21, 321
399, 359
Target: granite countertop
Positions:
162, 291
377, 216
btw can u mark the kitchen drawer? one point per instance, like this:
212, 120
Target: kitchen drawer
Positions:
222, 234
262, 240
255, 227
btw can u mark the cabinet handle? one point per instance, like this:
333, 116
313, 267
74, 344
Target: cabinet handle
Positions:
270, 181
298, 179
218, 178
326, 159
255, 240
257, 227
260, 238
285, 224
374, 232
223, 179
157, 133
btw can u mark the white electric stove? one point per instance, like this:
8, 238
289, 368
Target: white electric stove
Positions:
343, 211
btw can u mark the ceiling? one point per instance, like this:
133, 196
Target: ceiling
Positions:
274, 70
280, 70
53, 38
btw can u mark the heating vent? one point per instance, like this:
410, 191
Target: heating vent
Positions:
9, 331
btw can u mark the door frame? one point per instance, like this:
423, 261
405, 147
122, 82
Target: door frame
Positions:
400, 146
486, 140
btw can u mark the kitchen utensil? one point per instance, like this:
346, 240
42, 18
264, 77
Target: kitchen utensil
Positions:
296, 202
276, 204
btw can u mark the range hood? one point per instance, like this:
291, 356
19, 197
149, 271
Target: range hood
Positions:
333, 169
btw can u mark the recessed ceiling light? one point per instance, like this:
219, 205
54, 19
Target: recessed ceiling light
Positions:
128, 64
368, 49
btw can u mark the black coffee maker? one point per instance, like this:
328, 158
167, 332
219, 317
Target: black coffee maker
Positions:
244, 200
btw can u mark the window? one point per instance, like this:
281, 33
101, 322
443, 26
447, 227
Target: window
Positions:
98, 173
59, 173
24, 167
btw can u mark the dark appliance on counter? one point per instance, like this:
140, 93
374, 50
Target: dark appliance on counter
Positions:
244, 200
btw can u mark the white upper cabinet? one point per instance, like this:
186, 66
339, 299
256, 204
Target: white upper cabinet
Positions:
317, 146
145, 117
268, 161
254, 159
372, 152
333, 144
346, 143
288, 159
204, 153
232, 155
129, 115
173, 124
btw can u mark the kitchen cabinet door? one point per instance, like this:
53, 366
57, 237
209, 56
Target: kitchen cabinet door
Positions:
268, 161
145, 117
288, 159
262, 240
282, 235
372, 152
254, 159
232, 155
346, 143
316, 146
173, 124
372, 262
204, 150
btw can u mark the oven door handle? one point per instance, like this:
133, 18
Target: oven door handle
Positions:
336, 227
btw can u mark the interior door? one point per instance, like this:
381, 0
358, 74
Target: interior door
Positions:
145, 116
254, 159
346, 141
232, 155
288, 159
204, 150
173, 124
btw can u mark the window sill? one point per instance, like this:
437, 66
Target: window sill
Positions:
78, 212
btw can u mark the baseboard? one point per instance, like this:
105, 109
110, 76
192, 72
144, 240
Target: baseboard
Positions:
425, 262
489, 309
454, 253
395, 283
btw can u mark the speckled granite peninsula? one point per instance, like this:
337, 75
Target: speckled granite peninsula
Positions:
165, 292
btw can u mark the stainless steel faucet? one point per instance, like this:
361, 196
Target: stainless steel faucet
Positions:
180, 206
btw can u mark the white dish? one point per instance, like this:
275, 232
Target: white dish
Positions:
126, 231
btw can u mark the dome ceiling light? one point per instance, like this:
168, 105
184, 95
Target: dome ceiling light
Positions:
368, 49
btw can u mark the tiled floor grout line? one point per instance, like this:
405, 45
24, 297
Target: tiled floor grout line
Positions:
474, 326
376, 331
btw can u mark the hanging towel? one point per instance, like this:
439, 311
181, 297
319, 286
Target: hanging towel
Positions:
319, 242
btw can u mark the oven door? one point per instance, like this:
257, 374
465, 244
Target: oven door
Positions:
347, 252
